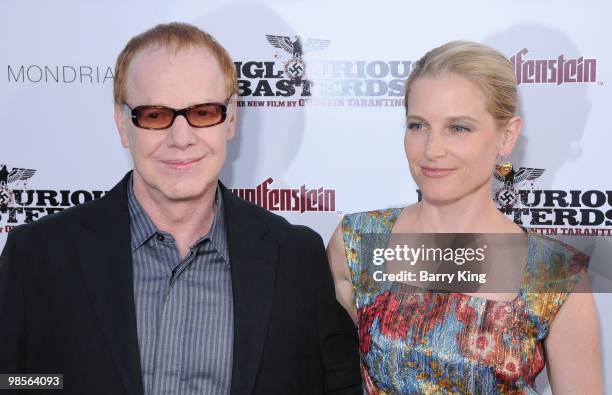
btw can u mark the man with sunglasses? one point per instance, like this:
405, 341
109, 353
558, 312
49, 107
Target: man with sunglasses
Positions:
170, 284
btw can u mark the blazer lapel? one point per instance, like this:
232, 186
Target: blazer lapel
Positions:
253, 261
106, 261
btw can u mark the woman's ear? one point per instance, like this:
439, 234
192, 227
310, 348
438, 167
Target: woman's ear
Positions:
510, 134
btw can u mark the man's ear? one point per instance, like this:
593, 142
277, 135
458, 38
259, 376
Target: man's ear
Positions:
232, 110
120, 121
510, 134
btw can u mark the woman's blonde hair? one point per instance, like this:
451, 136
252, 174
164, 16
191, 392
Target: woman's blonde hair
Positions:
484, 66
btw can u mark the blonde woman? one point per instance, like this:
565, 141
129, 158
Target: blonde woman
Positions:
461, 109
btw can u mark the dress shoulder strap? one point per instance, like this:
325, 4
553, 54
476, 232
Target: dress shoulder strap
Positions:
552, 272
355, 227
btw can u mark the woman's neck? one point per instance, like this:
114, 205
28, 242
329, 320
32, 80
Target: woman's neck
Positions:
473, 213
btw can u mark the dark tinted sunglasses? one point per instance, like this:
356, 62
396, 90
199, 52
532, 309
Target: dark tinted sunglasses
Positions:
159, 117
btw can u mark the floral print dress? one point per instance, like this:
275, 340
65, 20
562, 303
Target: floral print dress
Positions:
452, 343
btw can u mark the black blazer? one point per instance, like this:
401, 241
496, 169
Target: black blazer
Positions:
67, 306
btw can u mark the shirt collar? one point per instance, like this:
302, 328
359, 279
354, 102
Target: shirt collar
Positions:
142, 228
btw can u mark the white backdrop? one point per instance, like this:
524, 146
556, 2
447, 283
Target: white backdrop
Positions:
56, 60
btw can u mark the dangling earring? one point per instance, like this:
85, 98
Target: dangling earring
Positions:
503, 167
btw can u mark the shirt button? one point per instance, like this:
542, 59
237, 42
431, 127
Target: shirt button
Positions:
160, 237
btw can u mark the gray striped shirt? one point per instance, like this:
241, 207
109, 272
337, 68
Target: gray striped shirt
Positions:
184, 309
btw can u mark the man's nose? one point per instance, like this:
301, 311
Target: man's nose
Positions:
181, 134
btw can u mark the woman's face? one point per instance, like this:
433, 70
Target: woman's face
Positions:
451, 140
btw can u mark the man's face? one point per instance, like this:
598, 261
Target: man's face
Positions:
451, 139
181, 162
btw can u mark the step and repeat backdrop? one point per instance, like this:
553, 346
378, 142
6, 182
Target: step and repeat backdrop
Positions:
320, 107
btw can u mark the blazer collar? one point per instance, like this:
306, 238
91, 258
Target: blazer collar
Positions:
253, 259
106, 261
